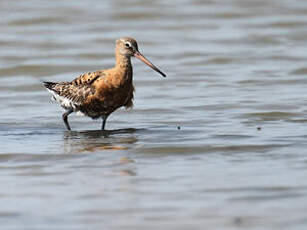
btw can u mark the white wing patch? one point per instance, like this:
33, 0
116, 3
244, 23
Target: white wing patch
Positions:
63, 101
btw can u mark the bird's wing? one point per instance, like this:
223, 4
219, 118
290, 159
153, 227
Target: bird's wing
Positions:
72, 95
75, 93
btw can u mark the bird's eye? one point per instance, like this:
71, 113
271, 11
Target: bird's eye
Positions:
127, 45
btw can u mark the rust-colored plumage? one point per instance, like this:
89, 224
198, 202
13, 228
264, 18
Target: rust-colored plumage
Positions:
98, 94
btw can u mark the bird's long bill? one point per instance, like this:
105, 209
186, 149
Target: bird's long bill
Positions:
138, 55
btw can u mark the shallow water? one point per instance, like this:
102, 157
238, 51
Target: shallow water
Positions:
218, 144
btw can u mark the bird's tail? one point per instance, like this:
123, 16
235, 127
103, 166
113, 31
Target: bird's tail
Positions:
49, 85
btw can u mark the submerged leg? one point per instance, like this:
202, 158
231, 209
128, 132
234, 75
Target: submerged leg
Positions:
65, 116
104, 120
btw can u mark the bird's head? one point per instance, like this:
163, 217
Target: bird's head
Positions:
128, 47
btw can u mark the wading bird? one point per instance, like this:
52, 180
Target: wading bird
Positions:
98, 94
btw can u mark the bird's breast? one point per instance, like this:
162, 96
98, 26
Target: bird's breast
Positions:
114, 92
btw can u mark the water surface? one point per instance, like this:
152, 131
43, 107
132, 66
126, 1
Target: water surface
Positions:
218, 144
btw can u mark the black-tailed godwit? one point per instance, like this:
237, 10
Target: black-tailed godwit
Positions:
98, 94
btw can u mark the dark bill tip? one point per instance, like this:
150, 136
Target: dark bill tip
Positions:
138, 55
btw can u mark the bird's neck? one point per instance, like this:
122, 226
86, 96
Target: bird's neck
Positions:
123, 69
122, 62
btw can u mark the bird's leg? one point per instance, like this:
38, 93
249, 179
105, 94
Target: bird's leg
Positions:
104, 120
65, 116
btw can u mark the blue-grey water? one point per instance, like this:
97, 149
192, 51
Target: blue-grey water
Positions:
218, 144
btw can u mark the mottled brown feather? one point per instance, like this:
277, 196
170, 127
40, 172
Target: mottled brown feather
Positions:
87, 78
76, 93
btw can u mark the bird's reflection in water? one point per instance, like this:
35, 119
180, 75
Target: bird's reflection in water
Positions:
98, 140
